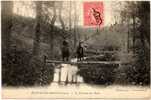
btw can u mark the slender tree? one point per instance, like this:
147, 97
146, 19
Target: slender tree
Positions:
75, 25
70, 10
36, 44
60, 18
7, 14
51, 35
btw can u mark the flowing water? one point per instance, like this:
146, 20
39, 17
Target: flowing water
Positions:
68, 72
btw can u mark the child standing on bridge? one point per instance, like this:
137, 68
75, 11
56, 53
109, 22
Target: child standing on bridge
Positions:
80, 52
65, 51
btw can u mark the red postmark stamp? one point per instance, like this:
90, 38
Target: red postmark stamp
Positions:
93, 13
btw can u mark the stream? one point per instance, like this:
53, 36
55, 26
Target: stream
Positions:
68, 72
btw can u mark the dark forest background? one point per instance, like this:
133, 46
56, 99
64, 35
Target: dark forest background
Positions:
25, 41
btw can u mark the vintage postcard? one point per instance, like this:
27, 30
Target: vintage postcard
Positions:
84, 49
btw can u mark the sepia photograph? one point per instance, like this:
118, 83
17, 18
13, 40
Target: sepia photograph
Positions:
56, 49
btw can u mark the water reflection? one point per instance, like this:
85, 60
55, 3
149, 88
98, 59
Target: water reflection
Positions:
68, 74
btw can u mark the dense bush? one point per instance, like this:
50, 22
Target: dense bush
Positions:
133, 74
136, 72
105, 57
19, 68
98, 74
139, 72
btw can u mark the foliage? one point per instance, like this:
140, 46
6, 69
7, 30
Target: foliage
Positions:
133, 74
138, 14
140, 71
98, 74
137, 71
20, 69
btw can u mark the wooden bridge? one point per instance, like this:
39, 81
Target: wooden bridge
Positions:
85, 63
118, 63
97, 54
46, 61
114, 64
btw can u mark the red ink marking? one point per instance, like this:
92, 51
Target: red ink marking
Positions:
93, 13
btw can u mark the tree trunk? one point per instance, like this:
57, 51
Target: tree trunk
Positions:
70, 15
75, 26
128, 36
134, 32
36, 44
51, 35
51, 39
60, 19
7, 24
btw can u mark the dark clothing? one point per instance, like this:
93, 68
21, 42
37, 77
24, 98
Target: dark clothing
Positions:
65, 43
65, 53
80, 53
